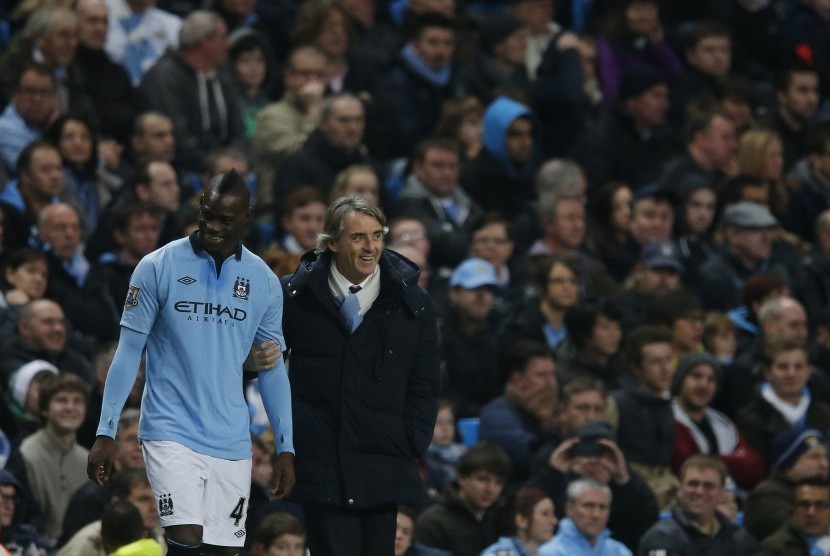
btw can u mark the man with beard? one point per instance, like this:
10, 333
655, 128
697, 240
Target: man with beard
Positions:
699, 429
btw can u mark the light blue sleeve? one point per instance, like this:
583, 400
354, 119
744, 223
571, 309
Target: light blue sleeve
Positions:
141, 306
120, 379
274, 386
276, 397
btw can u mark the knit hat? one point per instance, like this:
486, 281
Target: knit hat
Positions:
638, 79
6, 478
22, 378
689, 362
791, 444
497, 27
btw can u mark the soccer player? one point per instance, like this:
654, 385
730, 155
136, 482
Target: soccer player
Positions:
198, 304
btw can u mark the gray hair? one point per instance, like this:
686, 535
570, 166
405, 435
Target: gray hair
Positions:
129, 417
197, 26
336, 217
549, 203
328, 104
560, 176
580, 486
41, 22
774, 308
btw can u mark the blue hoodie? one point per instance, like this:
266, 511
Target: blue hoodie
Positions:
498, 117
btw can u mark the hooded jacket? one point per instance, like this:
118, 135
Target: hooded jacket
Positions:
364, 403
493, 180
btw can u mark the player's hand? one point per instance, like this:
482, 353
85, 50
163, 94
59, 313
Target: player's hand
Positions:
282, 478
264, 356
100, 460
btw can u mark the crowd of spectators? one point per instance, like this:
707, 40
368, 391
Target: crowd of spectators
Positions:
621, 210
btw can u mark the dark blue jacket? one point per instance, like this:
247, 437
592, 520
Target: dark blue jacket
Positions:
364, 403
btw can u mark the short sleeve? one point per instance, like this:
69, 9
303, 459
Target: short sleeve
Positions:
141, 305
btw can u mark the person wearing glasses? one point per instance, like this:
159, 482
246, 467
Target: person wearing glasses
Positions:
809, 520
799, 454
695, 526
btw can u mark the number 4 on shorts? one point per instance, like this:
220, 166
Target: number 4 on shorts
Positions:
238, 512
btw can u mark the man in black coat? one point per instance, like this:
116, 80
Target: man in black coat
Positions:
363, 349
106, 82
630, 141
336, 144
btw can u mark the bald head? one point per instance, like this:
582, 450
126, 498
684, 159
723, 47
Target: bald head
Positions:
783, 316
60, 226
42, 323
92, 23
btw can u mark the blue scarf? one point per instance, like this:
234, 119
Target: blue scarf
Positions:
439, 77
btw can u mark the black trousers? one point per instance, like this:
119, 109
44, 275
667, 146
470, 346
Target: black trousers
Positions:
335, 531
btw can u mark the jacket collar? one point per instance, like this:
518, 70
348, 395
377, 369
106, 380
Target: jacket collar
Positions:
397, 274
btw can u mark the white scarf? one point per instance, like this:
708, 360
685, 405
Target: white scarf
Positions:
791, 413
726, 434
369, 288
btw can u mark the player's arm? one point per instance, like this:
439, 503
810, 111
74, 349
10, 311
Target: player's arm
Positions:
120, 380
275, 390
263, 356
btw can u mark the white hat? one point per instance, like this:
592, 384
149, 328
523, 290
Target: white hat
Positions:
21, 379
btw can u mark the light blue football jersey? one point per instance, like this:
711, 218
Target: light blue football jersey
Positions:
200, 327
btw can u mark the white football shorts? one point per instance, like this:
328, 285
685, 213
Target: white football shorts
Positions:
196, 489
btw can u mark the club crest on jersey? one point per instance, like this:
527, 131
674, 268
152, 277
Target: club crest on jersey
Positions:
242, 288
132, 297
165, 505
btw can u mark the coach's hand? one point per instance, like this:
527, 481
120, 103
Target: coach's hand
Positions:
100, 460
282, 479
263, 357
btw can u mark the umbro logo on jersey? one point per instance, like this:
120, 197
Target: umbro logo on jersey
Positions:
242, 288
186, 280
239, 534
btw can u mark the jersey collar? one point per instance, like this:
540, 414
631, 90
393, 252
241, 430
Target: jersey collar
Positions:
198, 245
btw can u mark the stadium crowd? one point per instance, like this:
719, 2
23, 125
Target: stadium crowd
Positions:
620, 209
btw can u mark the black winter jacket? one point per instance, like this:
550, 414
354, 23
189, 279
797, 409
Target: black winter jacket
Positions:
364, 403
